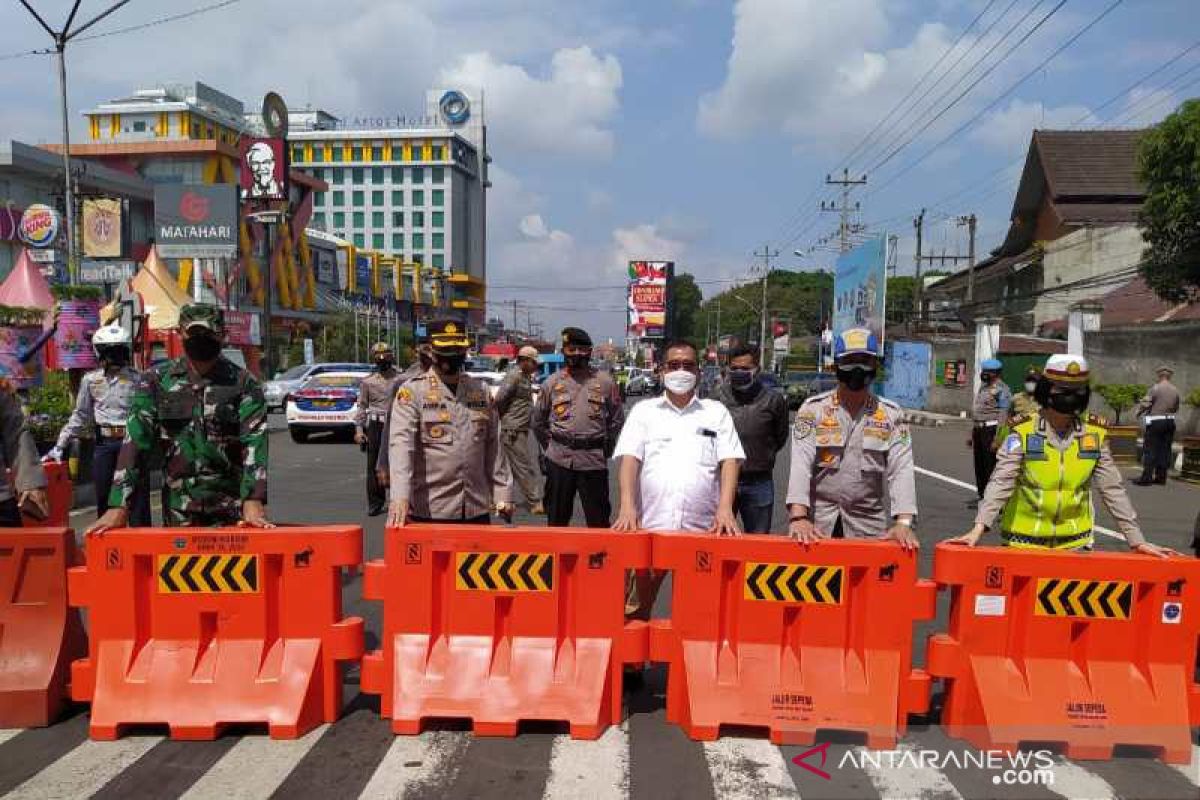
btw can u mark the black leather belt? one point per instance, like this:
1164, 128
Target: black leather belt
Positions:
579, 442
1049, 542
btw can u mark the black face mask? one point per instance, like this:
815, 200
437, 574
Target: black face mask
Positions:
743, 379
202, 348
114, 356
856, 378
451, 365
384, 364
1072, 402
577, 361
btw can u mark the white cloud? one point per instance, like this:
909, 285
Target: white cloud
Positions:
1007, 130
643, 242
1146, 106
533, 226
565, 112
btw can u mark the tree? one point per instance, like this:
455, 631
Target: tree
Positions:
686, 298
1121, 396
1169, 164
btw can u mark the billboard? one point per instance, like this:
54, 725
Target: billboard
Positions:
860, 288
195, 220
101, 227
263, 175
647, 299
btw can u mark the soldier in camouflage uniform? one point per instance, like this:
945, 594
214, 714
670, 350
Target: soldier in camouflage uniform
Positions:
209, 419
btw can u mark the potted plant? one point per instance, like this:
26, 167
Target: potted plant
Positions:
1122, 439
78, 319
20, 327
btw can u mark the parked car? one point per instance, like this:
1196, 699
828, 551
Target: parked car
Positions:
324, 402
492, 379
801, 385
644, 383
286, 382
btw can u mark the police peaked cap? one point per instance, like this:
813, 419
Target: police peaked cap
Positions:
577, 337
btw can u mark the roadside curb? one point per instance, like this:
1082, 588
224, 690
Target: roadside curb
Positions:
927, 419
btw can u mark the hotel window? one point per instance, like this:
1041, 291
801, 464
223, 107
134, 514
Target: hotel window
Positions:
319, 174
356, 154
439, 241
418, 197
339, 199
338, 174
376, 219
418, 174
297, 152
439, 261
319, 220
339, 220
397, 219
418, 259
318, 198
336, 155
439, 219
377, 241
359, 199
416, 151
397, 173
418, 241
377, 155
439, 175
360, 241
439, 152
318, 153
439, 197
397, 241
356, 176
397, 198
360, 219
377, 197
377, 175
418, 219
195, 130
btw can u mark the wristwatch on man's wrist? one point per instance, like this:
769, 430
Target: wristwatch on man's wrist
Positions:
905, 521
798, 518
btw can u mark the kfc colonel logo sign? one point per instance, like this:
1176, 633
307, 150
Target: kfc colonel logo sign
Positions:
196, 221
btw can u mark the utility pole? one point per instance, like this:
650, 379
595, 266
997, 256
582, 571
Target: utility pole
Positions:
514, 307
919, 224
970, 221
845, 227
766, 255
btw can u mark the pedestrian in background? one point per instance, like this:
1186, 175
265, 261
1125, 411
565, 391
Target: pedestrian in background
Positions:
679, 458
514, 403
375, 394
576, 422
851, 451
446, 460
1157, 410
760, 417
1048, 465
988, 412
102, 407
208, 418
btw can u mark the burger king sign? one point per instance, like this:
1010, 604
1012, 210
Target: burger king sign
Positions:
39, 226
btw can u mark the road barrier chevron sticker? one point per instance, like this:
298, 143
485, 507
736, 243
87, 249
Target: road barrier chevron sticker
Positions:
505, 572
208, 574
1063, 597
794, 583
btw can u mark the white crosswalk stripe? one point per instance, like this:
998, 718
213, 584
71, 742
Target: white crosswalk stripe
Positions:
597, 769
748, 768
413, 762
1191, 771
897, 773
84, 770
1075, 782
8, 733
253, 768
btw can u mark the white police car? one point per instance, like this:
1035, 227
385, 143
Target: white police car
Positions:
324, 403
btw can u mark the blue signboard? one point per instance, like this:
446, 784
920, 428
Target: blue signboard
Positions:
908, 373
860, 288
362, 274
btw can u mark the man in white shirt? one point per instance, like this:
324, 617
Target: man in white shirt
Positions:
680, 456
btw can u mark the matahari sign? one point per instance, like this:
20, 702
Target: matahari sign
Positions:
195, 221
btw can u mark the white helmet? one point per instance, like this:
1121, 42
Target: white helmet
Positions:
112, 334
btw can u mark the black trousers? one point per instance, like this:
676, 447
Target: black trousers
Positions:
982, 438
592, 486
376, 496
1156, 449
104, 464
10, 514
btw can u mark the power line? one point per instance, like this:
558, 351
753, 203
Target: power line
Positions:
161, 21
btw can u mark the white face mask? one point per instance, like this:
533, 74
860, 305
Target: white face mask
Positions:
680, 381
1030, 386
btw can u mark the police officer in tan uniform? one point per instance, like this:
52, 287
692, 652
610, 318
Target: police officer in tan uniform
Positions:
577, 420
989, 412
444, 446
514, 403
375, 394
850, 451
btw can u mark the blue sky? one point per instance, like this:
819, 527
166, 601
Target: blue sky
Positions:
688, 129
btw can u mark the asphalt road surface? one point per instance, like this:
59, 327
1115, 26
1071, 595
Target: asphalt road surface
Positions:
643, 758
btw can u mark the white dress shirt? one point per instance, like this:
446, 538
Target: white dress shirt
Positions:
681, 450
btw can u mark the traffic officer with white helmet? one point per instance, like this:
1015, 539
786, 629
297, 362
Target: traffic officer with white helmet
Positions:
103, 402
1047, 467
851, 450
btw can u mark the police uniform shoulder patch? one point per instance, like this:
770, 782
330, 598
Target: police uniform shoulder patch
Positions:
1012, 444
804, 426
1095, 419
404, 395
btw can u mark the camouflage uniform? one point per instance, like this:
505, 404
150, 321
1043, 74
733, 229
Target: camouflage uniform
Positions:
212, 432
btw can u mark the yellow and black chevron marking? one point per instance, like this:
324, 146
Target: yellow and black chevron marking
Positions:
1064, 597
794, 583
218, 573
505, 572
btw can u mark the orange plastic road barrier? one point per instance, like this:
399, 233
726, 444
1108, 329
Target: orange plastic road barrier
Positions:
1085, 652
59, 491
767, 633
39, 634
502, 625
197, 629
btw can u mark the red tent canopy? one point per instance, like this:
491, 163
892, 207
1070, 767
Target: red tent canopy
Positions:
25, 286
